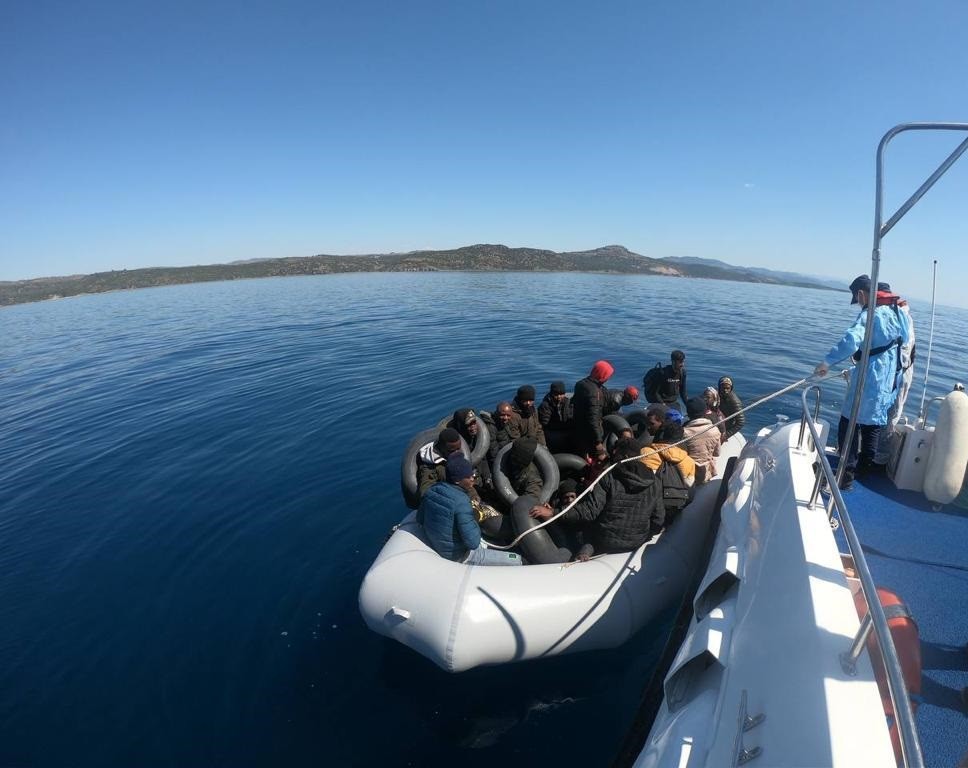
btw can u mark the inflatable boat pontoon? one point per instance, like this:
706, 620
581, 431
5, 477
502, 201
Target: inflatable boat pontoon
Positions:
463, 616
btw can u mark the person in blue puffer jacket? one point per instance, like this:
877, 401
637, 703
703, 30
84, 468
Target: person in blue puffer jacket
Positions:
449, 522
891, 331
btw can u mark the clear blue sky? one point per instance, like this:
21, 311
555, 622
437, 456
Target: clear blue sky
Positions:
135, 134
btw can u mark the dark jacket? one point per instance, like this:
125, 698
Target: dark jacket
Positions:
626, 509
553, 415
500, 435
611, 401
429, 475
447, 517
527, 481
557, 421
587, 406
673, 386
729, 404
527, 426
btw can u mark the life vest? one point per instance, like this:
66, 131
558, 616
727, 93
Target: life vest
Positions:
888, 299
904, 633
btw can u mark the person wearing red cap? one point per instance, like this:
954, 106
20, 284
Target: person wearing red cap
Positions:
589, 407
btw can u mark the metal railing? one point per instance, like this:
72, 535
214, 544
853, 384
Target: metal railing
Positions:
880, 230
904, 715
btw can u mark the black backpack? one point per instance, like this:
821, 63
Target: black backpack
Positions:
651, 383
675, 493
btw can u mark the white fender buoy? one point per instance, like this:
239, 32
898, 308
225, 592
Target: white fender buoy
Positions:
948, 459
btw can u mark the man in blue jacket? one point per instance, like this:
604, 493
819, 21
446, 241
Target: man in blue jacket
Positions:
448, 519
890, 332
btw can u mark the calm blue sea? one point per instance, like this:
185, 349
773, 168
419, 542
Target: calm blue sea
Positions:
193, 481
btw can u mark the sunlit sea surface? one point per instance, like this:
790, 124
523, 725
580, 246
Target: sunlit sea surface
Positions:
193, 481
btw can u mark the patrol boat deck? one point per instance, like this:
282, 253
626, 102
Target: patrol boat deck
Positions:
922, 554
773, 667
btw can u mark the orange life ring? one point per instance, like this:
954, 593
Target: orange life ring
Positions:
904, 632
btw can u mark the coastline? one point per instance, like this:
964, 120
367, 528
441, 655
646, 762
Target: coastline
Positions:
475, 258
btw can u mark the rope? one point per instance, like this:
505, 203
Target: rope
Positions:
653, 452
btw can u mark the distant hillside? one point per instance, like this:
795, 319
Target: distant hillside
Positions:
767, 275
471, 258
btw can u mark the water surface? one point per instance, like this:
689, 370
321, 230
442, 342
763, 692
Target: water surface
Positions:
193, 481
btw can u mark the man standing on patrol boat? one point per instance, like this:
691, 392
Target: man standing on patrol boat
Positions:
889, 333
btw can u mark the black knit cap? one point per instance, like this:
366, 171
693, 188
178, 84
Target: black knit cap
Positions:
557, 387
458, 468
522, 451
525, 392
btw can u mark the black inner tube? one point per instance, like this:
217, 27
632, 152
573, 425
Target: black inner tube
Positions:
538, 548
546, 466
408, 465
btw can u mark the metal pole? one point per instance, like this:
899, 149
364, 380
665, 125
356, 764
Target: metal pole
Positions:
927, 365
879, 231
910, 749
929, 182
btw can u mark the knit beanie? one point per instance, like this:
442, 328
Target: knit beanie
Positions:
632, 392
557, 388
567, 486
522, 451
458, 468
525, 392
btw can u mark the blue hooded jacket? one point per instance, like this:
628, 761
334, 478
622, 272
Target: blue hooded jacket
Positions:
879, 387
448, 520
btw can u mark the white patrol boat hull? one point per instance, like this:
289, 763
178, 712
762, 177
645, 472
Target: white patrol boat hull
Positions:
772, 617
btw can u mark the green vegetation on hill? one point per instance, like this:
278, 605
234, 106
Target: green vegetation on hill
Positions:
471, 258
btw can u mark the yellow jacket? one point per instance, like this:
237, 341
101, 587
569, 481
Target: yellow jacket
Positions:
653, 456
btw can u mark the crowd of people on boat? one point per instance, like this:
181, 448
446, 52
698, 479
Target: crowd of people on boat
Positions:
573, 438
661, 451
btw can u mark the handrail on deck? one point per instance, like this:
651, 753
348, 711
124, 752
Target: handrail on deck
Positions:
881, 229
910, 745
